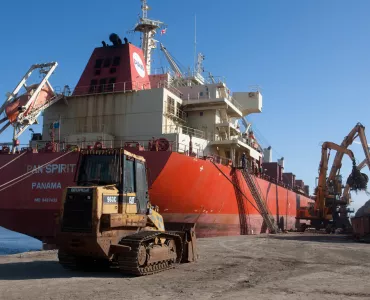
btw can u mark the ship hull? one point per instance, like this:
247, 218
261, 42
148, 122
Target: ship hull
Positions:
187, 190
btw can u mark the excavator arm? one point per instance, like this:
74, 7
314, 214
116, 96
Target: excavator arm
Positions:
357, 131
322, 189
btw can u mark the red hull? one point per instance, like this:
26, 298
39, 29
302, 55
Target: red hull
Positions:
187, 190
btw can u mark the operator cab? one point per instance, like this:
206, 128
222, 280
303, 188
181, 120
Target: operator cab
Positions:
119, 168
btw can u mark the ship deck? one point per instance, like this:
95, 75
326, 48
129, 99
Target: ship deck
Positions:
285, 266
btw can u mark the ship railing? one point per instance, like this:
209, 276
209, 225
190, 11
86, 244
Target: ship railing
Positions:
296, 189
201, 96
185, 130
167, 85
188, 76
172, 110
148, 145
112, 87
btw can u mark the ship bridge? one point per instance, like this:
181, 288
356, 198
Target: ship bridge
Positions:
213, 109
215, 96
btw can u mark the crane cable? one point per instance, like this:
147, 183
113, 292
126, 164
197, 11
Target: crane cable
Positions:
29, 173
12, 160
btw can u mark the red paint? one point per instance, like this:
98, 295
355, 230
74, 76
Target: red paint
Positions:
118, 65
186, 189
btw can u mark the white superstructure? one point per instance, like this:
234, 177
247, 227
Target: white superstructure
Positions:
196, 114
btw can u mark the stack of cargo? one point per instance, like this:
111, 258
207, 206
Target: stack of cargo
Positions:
273, 170
289, 179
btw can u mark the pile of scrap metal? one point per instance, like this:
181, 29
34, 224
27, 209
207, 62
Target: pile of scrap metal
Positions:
361, 223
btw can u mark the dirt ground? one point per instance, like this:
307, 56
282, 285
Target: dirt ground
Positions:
285, 266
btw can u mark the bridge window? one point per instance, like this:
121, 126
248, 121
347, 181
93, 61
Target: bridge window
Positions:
110, 86
98, 63
107, 62
116, 61
102, 84
93, 84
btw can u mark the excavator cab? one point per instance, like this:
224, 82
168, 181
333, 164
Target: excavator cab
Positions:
107, 218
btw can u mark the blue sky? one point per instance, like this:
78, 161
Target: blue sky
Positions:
311, 58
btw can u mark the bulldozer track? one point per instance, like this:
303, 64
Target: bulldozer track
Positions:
129, 262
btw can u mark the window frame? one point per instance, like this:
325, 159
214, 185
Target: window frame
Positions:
133, 178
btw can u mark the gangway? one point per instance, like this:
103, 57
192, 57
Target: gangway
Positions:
243, 213
261, 203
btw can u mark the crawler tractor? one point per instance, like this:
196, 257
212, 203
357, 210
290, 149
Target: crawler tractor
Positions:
107, 219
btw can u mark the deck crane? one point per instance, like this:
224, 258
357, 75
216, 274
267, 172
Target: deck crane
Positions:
22, 110
211, 77
171, 61
324, 211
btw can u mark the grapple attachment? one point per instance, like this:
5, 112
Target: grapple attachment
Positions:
357, 180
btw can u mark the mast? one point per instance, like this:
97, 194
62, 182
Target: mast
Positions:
195, 41
148, 28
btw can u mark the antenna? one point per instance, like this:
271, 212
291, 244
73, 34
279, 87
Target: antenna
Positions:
144, 8
148, 28
195, 41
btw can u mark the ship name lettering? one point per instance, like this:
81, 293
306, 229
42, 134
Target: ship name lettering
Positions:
46, 185
52, 169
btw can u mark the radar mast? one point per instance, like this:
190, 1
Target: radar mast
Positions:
148, 28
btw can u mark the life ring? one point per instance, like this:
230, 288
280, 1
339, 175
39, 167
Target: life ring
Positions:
98, 145
5, 149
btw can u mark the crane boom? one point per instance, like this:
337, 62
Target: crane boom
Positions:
357, 131
322, 190
21, 111
171, 61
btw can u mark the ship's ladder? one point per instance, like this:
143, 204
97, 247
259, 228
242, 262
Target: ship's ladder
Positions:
260, 201
245, 227
243, 212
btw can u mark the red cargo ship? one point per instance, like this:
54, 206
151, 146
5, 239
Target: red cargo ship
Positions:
194, 163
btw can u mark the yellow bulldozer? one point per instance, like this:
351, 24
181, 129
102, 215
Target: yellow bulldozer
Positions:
108, 220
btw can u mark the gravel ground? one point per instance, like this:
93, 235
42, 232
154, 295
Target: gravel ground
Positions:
285, 266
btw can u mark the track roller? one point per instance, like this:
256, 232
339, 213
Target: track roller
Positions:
151, 252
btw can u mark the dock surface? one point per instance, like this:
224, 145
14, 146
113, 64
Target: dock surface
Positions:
284, 266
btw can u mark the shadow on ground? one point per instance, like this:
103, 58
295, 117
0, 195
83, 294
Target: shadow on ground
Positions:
49, 269
321, 238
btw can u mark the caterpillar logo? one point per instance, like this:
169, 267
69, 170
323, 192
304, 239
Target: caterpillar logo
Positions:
138, 63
